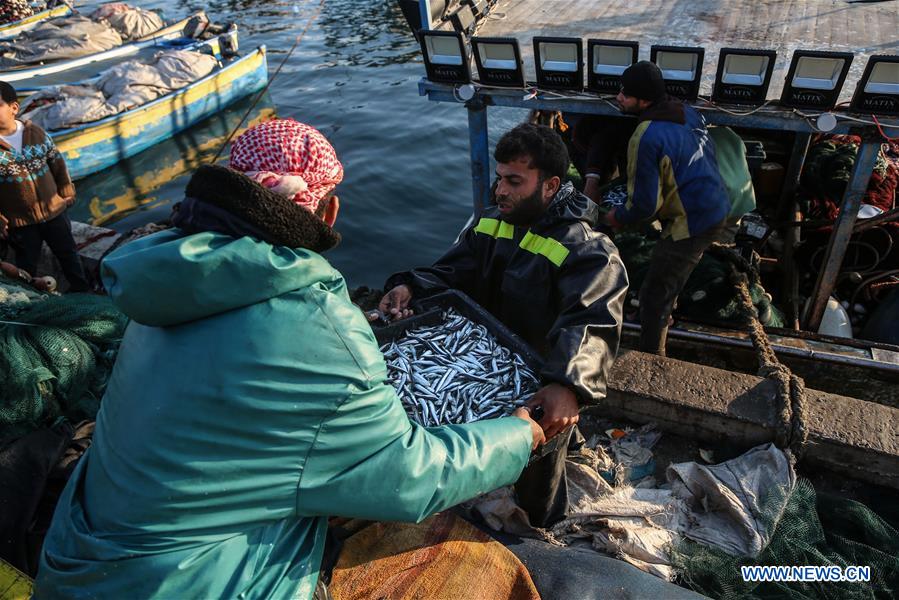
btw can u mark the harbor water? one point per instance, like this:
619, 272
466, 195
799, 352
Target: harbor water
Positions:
354, 75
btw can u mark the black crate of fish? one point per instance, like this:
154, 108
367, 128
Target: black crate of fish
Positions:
454, 363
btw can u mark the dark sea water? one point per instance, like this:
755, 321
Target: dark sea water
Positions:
407, 187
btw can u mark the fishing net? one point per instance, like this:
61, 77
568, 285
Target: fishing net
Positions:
810, 530
709, 293
56, 353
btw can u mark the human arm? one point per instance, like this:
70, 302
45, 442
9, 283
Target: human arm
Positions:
583, 340
560, 408
456, 269
598, 150
57, 164
369, 461
592, 187
644, 185
395, 303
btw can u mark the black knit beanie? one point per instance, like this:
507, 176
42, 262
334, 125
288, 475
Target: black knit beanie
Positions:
643, 80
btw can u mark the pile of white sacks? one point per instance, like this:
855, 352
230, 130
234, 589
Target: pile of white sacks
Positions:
716, 505
63, 38
120, 88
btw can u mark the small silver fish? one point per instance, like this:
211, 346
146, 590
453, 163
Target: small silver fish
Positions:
456, 372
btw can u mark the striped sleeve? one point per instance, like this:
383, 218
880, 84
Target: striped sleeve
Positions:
57, 164
644, 190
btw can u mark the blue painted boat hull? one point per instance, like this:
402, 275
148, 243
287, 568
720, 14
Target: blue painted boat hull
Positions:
90, 148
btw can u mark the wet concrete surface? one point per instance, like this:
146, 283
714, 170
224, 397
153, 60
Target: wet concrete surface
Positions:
712, 405
845, 380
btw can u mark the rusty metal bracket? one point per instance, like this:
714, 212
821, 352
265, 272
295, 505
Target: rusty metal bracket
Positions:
842, 231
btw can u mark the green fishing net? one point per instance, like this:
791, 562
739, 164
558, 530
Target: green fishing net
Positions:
709, 293
56, 353
809, 529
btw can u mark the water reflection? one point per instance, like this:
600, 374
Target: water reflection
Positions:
407, 189
370, 34
146, 181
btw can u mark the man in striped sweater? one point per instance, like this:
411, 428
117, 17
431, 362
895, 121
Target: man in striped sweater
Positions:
35, 191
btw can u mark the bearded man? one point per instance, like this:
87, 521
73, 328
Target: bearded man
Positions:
535, 262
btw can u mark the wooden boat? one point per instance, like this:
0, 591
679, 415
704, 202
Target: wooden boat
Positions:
13, 29
94, 146
23, 75
85, 72
706, 389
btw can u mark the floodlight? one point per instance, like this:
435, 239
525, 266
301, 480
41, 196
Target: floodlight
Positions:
478, 8
878, 89
446, 58
815, 78
743, 75
498, 61
462, 19
559, 62
607, 60
681, 68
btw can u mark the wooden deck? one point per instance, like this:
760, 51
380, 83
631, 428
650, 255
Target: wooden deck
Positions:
863, 28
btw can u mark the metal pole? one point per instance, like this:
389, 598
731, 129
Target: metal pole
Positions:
480, 154
794, 169
424, 9
787, 212
842, 231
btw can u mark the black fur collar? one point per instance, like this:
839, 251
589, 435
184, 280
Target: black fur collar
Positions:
280, 221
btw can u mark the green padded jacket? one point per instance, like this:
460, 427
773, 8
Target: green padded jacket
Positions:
248, 403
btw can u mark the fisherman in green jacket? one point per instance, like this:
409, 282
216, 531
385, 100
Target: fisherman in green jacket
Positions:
249, 401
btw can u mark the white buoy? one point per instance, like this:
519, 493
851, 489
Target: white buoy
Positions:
826, 122
835, 321
466, 92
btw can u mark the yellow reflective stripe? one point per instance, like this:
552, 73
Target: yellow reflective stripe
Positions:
555, 252
488, 226
15, 584
495, 228
633, 147
506, 231
672, 209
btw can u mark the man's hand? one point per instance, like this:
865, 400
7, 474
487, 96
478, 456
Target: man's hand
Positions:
560, 408
610, 220
395, 303
536, 431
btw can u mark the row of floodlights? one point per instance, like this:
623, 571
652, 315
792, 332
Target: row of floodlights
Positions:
813, 81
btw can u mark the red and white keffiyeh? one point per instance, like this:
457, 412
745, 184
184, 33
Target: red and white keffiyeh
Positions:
290, 158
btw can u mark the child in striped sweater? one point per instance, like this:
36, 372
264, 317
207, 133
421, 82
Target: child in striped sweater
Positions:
35, 191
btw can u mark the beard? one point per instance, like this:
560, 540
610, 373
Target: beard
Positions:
528, 210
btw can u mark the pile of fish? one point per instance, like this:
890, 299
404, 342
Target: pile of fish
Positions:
615, 195
456, 372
